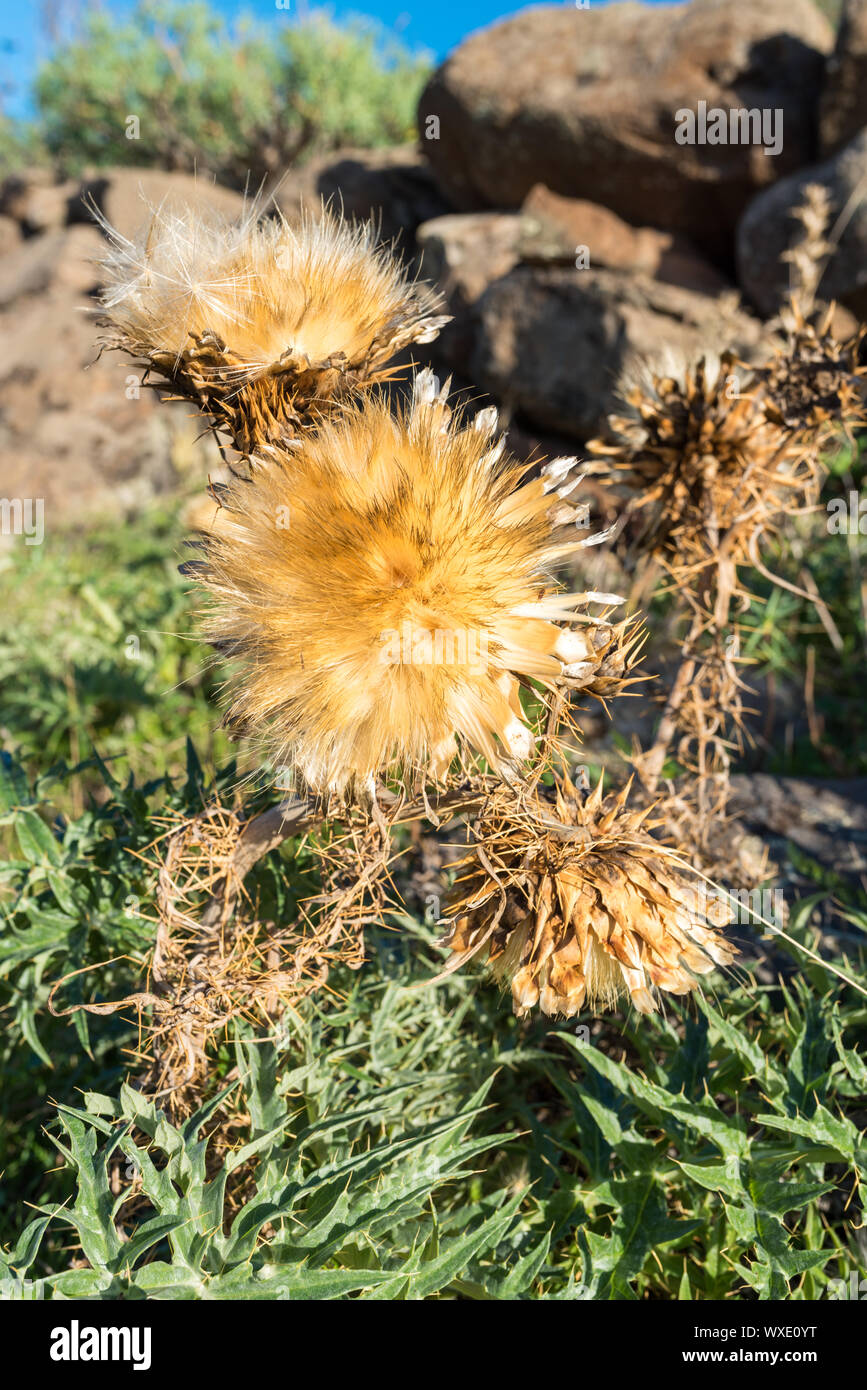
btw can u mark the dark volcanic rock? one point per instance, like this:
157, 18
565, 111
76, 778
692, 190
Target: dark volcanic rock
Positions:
585, 101
553, 343
843, 109
768, 228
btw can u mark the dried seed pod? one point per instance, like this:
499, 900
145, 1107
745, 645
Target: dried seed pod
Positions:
599, 656
816, 385
575, 902
720, 453
707, 465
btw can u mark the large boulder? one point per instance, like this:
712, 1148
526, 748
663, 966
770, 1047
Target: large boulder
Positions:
124, 196
76, 429
394, 186
553, 344
843, 109
769, 228
586, 102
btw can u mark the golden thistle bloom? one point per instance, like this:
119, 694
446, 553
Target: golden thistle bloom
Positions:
386, 587
259, 323
576, 902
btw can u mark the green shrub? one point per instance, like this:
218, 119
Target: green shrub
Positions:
229, 101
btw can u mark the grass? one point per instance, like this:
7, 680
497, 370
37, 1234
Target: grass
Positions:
385, 1142
101, 653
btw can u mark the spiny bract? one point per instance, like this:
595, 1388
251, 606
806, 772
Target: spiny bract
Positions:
574, 901
261, 323
385, 586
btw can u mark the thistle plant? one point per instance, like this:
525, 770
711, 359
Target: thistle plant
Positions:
382, 582
717, 459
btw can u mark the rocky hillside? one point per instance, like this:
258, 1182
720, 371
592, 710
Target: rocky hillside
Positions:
589, 190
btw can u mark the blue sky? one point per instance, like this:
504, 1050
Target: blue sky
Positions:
436, 25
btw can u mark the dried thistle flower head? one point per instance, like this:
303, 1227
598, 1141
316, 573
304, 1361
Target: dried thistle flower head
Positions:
576, 902
709, 466
261, 324
815, 384
386, 586
598, 658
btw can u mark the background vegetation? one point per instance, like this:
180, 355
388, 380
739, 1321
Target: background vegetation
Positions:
232, 101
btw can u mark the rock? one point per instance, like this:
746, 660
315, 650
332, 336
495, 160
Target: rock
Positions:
466, 251
77, 266
77, 429
66, 256
826, 818
462, 253
556, 228
567, 230
44, 207
123, 196
394, 186
553, 343
843, 107
680, 264
16, 189
768, 229
585, 101
10, 234
29, 267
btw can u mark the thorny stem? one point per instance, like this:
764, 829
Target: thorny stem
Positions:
297, 815
652, 765
260, 835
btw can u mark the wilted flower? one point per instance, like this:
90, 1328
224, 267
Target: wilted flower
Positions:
719, 453
387, 587
262, 324
707, 465
816, 385
574, 901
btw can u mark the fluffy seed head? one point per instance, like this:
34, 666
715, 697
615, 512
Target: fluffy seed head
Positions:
574, 901
385, 587
260, 323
